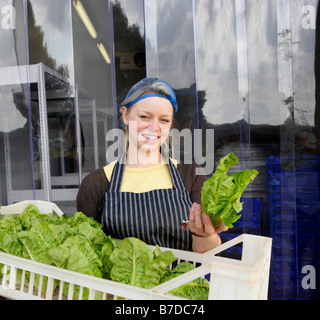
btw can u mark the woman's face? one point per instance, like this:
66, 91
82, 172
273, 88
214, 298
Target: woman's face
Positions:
149, 122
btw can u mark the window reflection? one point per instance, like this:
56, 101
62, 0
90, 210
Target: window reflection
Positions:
200, 59
50, 38
130, 65
93, 82
217, 60
275, 134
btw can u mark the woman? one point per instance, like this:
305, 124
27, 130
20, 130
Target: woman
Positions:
146, 194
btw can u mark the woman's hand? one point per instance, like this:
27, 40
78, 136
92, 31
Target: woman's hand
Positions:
205, 234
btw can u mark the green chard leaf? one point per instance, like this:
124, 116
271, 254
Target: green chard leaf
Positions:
79, 244
221, 193
129, 261
37, 241
76, 254
10, 224
106, 252
197, 289
157, 267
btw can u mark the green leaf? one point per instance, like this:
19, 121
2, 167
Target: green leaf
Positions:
37, 241
79, 218
221, 193
106, 252
197, 289
129, 261
76, 254
30, 216
156, 268
91, 232
10, 224
10, 243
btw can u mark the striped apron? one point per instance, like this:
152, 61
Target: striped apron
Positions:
155, 217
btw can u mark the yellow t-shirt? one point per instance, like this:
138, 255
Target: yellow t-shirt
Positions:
140, 180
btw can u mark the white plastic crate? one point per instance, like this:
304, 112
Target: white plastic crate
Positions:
247, 278
43, 206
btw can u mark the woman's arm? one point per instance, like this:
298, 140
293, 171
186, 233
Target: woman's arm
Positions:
91, 194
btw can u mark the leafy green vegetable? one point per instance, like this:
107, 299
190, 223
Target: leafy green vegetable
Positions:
10, 224
106, 252
79, 244
37, 241
157, 267
221, 193
197, 289
76, 254
10, 243
129, 261
71, 243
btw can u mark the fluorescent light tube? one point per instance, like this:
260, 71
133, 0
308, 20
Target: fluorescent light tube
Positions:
85, 18
104, 52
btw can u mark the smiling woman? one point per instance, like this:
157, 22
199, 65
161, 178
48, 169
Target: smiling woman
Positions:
148, 195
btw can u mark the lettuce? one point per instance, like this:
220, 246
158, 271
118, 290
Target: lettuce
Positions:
156, 268
71, 243
10, 243
79, 244
106, 252
197, 289
129, 261
134, 263
221, 193
76, 254
10, 224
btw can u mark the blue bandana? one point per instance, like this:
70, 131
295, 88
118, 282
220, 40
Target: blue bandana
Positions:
173, 102
147, 83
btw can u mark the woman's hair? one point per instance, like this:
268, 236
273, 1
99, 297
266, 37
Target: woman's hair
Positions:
157, 87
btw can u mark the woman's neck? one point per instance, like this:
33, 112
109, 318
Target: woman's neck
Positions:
141, 159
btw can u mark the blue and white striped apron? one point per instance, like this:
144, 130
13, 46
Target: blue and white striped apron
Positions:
155, 217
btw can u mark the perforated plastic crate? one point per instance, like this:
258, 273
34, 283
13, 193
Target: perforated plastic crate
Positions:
247, 278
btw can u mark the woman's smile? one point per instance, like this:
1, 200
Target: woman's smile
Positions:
150, 137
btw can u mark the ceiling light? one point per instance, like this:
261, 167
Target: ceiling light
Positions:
104, 52
85, 18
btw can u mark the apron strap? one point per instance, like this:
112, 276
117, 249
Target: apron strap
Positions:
118, 170
175, 175
117, 173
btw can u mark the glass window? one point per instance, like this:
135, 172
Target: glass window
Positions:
246, 75
254, 78
16, 121
38, 81
93, 79
129, 45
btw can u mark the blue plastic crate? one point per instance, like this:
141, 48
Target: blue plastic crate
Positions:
308, 195
306, 211
292, 236
301, 224
293, 210
251, 213
301, 162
